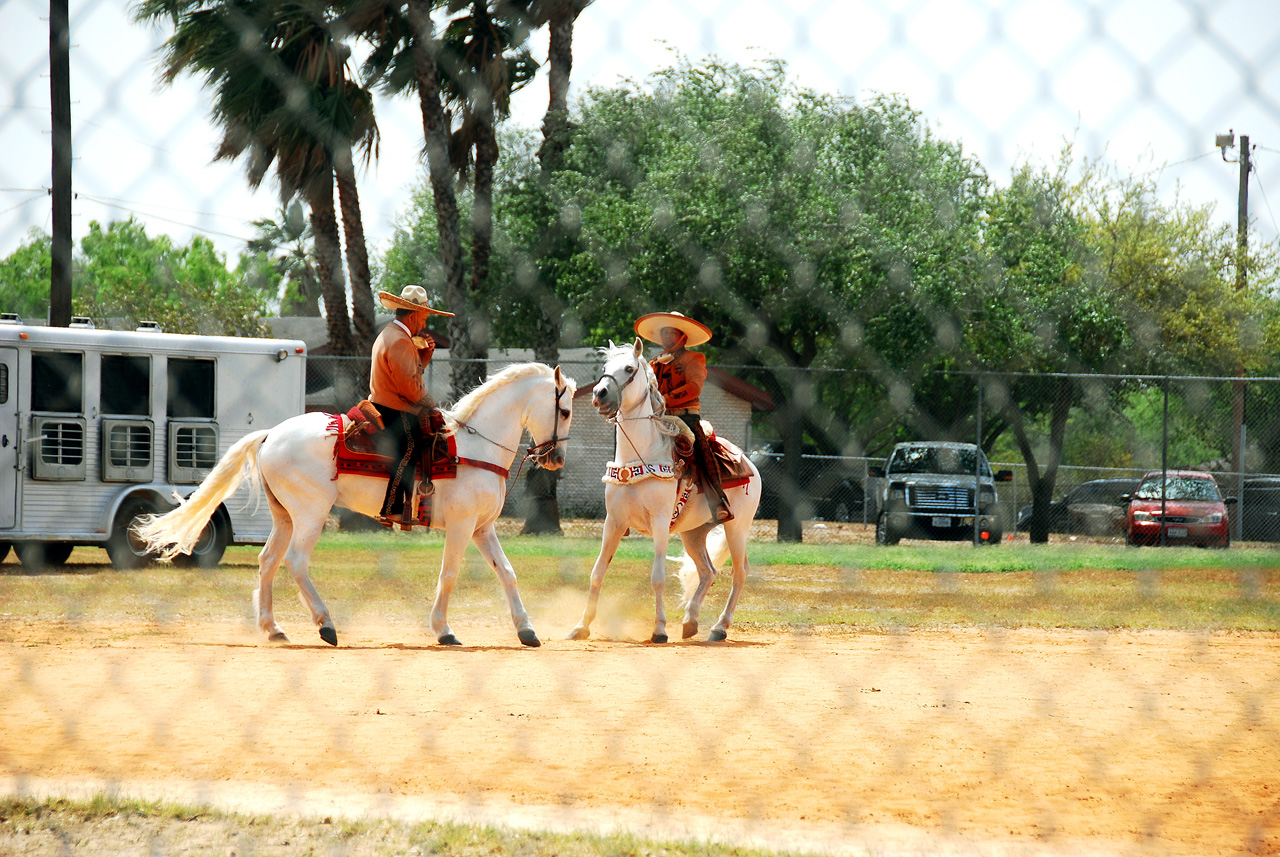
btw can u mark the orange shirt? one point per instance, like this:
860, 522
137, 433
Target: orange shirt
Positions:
395, 378
681, 380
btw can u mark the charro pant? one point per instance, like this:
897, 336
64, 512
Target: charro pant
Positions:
702, 455
400, 441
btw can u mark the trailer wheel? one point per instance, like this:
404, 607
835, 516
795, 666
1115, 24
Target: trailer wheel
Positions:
209, 548
124, 548
37, 556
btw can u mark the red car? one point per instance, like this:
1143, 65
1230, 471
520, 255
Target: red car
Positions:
1190, 509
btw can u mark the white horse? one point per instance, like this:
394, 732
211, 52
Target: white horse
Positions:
295, 462
627, 394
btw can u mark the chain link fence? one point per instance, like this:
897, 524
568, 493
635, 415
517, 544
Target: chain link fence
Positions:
915, 700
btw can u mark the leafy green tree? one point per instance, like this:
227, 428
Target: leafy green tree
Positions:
1045, 310
24, 277
122, 273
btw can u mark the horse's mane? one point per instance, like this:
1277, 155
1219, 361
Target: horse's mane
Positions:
465, 409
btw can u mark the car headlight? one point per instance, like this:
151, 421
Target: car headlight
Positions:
1213, 518
897, 492
1145, 517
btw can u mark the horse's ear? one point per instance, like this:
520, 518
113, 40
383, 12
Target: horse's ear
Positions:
639, 347
559, 377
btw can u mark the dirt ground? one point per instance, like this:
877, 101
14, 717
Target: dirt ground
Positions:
945, 741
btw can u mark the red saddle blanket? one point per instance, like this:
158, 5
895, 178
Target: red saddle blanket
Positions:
355, 452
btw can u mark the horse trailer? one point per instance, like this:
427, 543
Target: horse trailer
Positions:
99, 427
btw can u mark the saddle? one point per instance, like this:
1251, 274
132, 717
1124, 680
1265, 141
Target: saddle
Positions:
355, 451
733, 466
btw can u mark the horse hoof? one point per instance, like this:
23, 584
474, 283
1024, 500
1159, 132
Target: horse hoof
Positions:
579, 633
449, 640
690, 628
529, 638
717, 637
277, 637
329, 635
658, 638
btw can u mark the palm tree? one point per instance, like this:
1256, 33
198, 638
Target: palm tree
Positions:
283, 97
493, 62
405, 57
559, 16
287, 242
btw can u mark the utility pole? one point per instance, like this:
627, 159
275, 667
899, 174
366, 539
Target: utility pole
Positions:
60, 114
1225, 141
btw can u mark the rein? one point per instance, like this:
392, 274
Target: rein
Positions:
537, 451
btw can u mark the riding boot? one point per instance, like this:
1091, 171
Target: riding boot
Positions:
716, 499
712, 486
397, 503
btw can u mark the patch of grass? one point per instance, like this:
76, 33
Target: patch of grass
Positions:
391, 576
112, 826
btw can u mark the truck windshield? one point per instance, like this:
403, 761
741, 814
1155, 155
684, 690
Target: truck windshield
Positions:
952, 461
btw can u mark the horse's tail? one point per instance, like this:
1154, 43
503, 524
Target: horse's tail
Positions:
176, 532
717, 549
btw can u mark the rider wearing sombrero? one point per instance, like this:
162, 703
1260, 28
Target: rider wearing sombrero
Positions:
681, 374
400, 355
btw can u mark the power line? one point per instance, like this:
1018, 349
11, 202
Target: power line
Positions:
105, 201
41, 195
1265, 199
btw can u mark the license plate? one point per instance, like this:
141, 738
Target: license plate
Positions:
1177, 532
941, 522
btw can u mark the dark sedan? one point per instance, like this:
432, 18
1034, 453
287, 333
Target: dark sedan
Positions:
1094, 508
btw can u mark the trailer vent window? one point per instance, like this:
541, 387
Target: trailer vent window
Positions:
191, 387
193, 450
59, 450
57, 381
127, 448
4, 383
126, 384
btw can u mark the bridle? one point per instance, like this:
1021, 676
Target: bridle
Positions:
621, 385
617, 419
539, 452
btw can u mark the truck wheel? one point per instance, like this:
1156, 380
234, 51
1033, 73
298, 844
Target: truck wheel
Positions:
38, 556
126, 552
885, 535
209, 548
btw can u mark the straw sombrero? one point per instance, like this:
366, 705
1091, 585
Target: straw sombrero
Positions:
410, 297
650, 326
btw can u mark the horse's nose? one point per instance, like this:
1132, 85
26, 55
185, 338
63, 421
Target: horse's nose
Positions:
600, 395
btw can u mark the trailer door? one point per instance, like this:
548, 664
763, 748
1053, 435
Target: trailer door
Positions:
8, 437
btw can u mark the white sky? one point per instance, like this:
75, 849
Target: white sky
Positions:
1146, 83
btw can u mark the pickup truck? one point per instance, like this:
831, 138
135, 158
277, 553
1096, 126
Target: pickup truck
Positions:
936, 490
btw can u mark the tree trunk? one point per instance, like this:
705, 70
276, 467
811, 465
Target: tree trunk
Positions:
542, 485
481, 242
1042, 483
435, 133
555, 125
357, 252
333, 287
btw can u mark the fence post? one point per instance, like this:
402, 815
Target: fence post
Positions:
1164, 464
